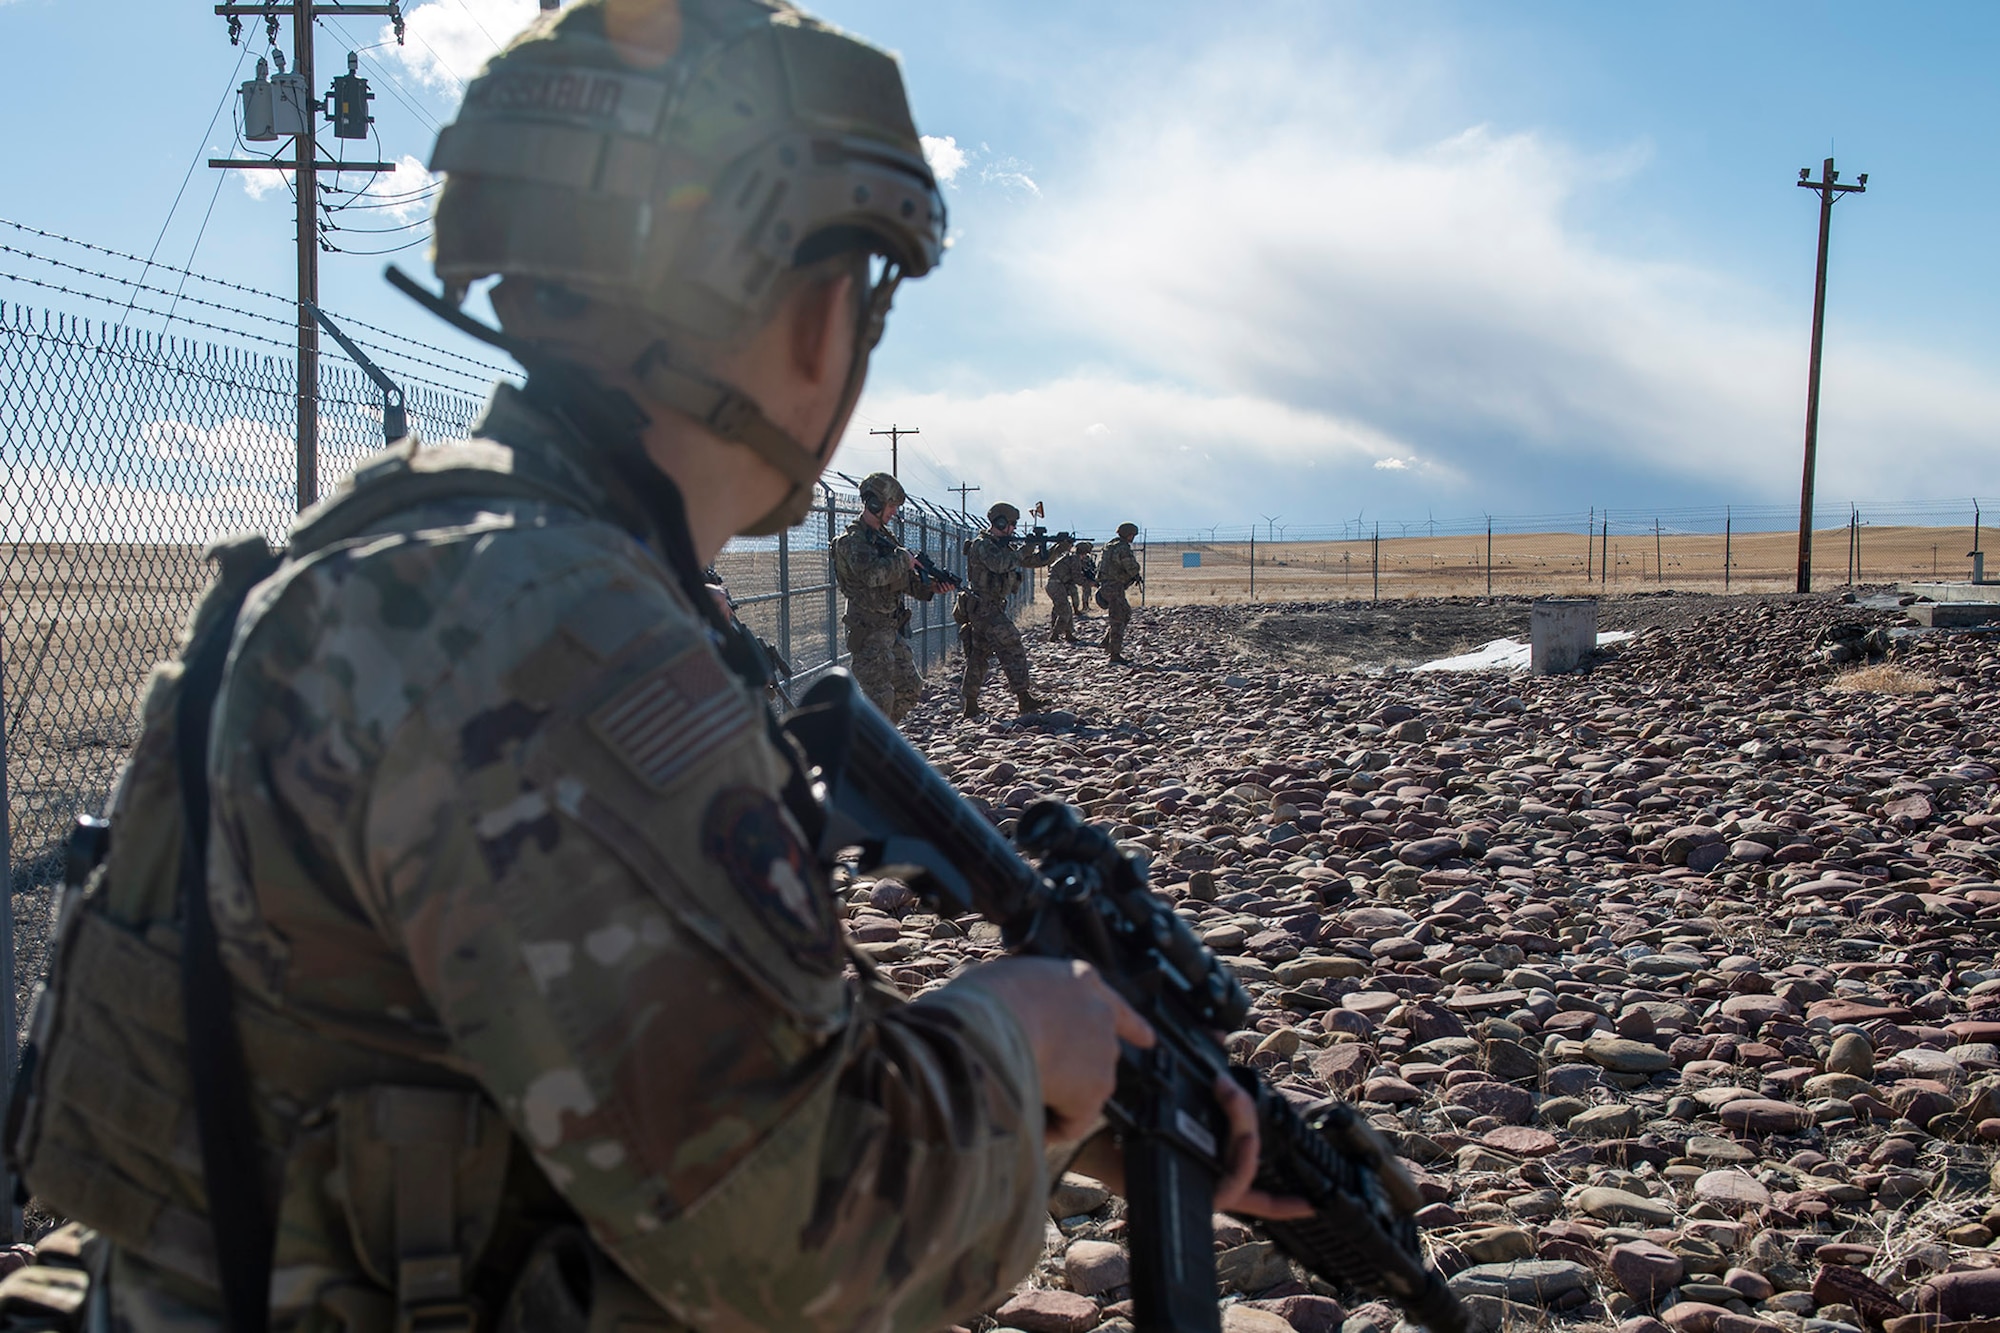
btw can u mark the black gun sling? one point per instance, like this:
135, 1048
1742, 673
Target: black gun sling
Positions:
225, 1123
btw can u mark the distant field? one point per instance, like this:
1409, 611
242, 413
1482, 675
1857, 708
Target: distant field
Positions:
80, 623
1542, 562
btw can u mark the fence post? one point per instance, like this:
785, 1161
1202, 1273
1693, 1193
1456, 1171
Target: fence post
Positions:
1253, 562
1489, 557
1375, 560
10, 1228
1589, 545
1604, 560
1143, 546
785, 593
1728, 540
832, 587
1659, 560
924, 621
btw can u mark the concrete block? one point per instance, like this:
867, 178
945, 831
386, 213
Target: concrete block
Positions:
1563, 632
1954, 615
1954, 592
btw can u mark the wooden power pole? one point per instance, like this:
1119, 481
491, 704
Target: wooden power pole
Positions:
305, 167
895, 434
1828, 191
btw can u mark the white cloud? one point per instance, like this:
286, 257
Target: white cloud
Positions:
448, 41
947, 159
262, 182
1283, 233
1017, 443
402, 194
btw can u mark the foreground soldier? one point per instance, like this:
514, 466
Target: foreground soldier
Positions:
1062, 581
539, 990
1117, 571
875, 572
993, 571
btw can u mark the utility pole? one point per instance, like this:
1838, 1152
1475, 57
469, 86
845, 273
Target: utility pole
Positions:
895, 434
1828, 191
305, 167
963, 491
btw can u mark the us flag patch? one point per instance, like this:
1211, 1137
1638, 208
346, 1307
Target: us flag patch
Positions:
666, 722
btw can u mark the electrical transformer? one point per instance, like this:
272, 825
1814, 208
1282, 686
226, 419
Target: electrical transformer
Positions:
292, 105
350, 98
259, 126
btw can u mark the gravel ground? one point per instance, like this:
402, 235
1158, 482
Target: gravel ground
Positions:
1674, 979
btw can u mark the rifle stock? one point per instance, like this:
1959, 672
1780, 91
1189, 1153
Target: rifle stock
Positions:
1088, 900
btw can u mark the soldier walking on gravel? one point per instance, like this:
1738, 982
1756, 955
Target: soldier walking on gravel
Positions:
1118, 570
993, 569
1062, 591
1086, 579
875, 573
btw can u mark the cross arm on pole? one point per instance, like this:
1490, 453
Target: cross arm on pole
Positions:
331, 11
269, 164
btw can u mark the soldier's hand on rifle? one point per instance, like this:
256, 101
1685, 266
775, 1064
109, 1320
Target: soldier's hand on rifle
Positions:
1233, 1193
910, 561
1073, 1022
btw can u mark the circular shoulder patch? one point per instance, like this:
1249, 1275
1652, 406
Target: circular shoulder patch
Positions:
748, 834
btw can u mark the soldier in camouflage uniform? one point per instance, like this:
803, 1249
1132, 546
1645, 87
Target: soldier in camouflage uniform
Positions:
1118, 570
1086, 578
994, 562
875, 573
1062, 580
540, 986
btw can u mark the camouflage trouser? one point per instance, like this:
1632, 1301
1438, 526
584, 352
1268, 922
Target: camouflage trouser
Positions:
988, 637
885, 669
1121, 616
1062, 612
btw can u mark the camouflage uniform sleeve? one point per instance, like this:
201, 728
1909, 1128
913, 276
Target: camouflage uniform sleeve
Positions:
1031, 560
575, 838
860, 563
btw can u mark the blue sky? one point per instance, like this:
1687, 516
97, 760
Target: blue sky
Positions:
1311, 258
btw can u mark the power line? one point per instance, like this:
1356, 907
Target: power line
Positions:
235, 287
194, 249
228, 88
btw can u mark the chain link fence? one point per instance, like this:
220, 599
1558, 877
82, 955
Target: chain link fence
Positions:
122, 454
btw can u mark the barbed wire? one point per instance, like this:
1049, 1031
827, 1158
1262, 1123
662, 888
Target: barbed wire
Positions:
395, 353
485, 366
204, 324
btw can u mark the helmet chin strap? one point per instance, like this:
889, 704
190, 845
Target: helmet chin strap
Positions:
871, 318
722, 409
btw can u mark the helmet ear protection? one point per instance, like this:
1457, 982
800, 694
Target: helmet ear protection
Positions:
872, 501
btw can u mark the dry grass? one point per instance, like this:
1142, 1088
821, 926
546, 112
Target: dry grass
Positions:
1538, 563
1883, 678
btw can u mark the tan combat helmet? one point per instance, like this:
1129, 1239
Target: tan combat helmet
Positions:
879, 490
643, 174
1085, 547
1128, 531
1002, 514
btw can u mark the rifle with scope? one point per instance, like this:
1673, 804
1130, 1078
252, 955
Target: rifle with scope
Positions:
1086, 899
1039, 539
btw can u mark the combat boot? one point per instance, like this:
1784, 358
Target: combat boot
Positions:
1030, 704
972, 712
